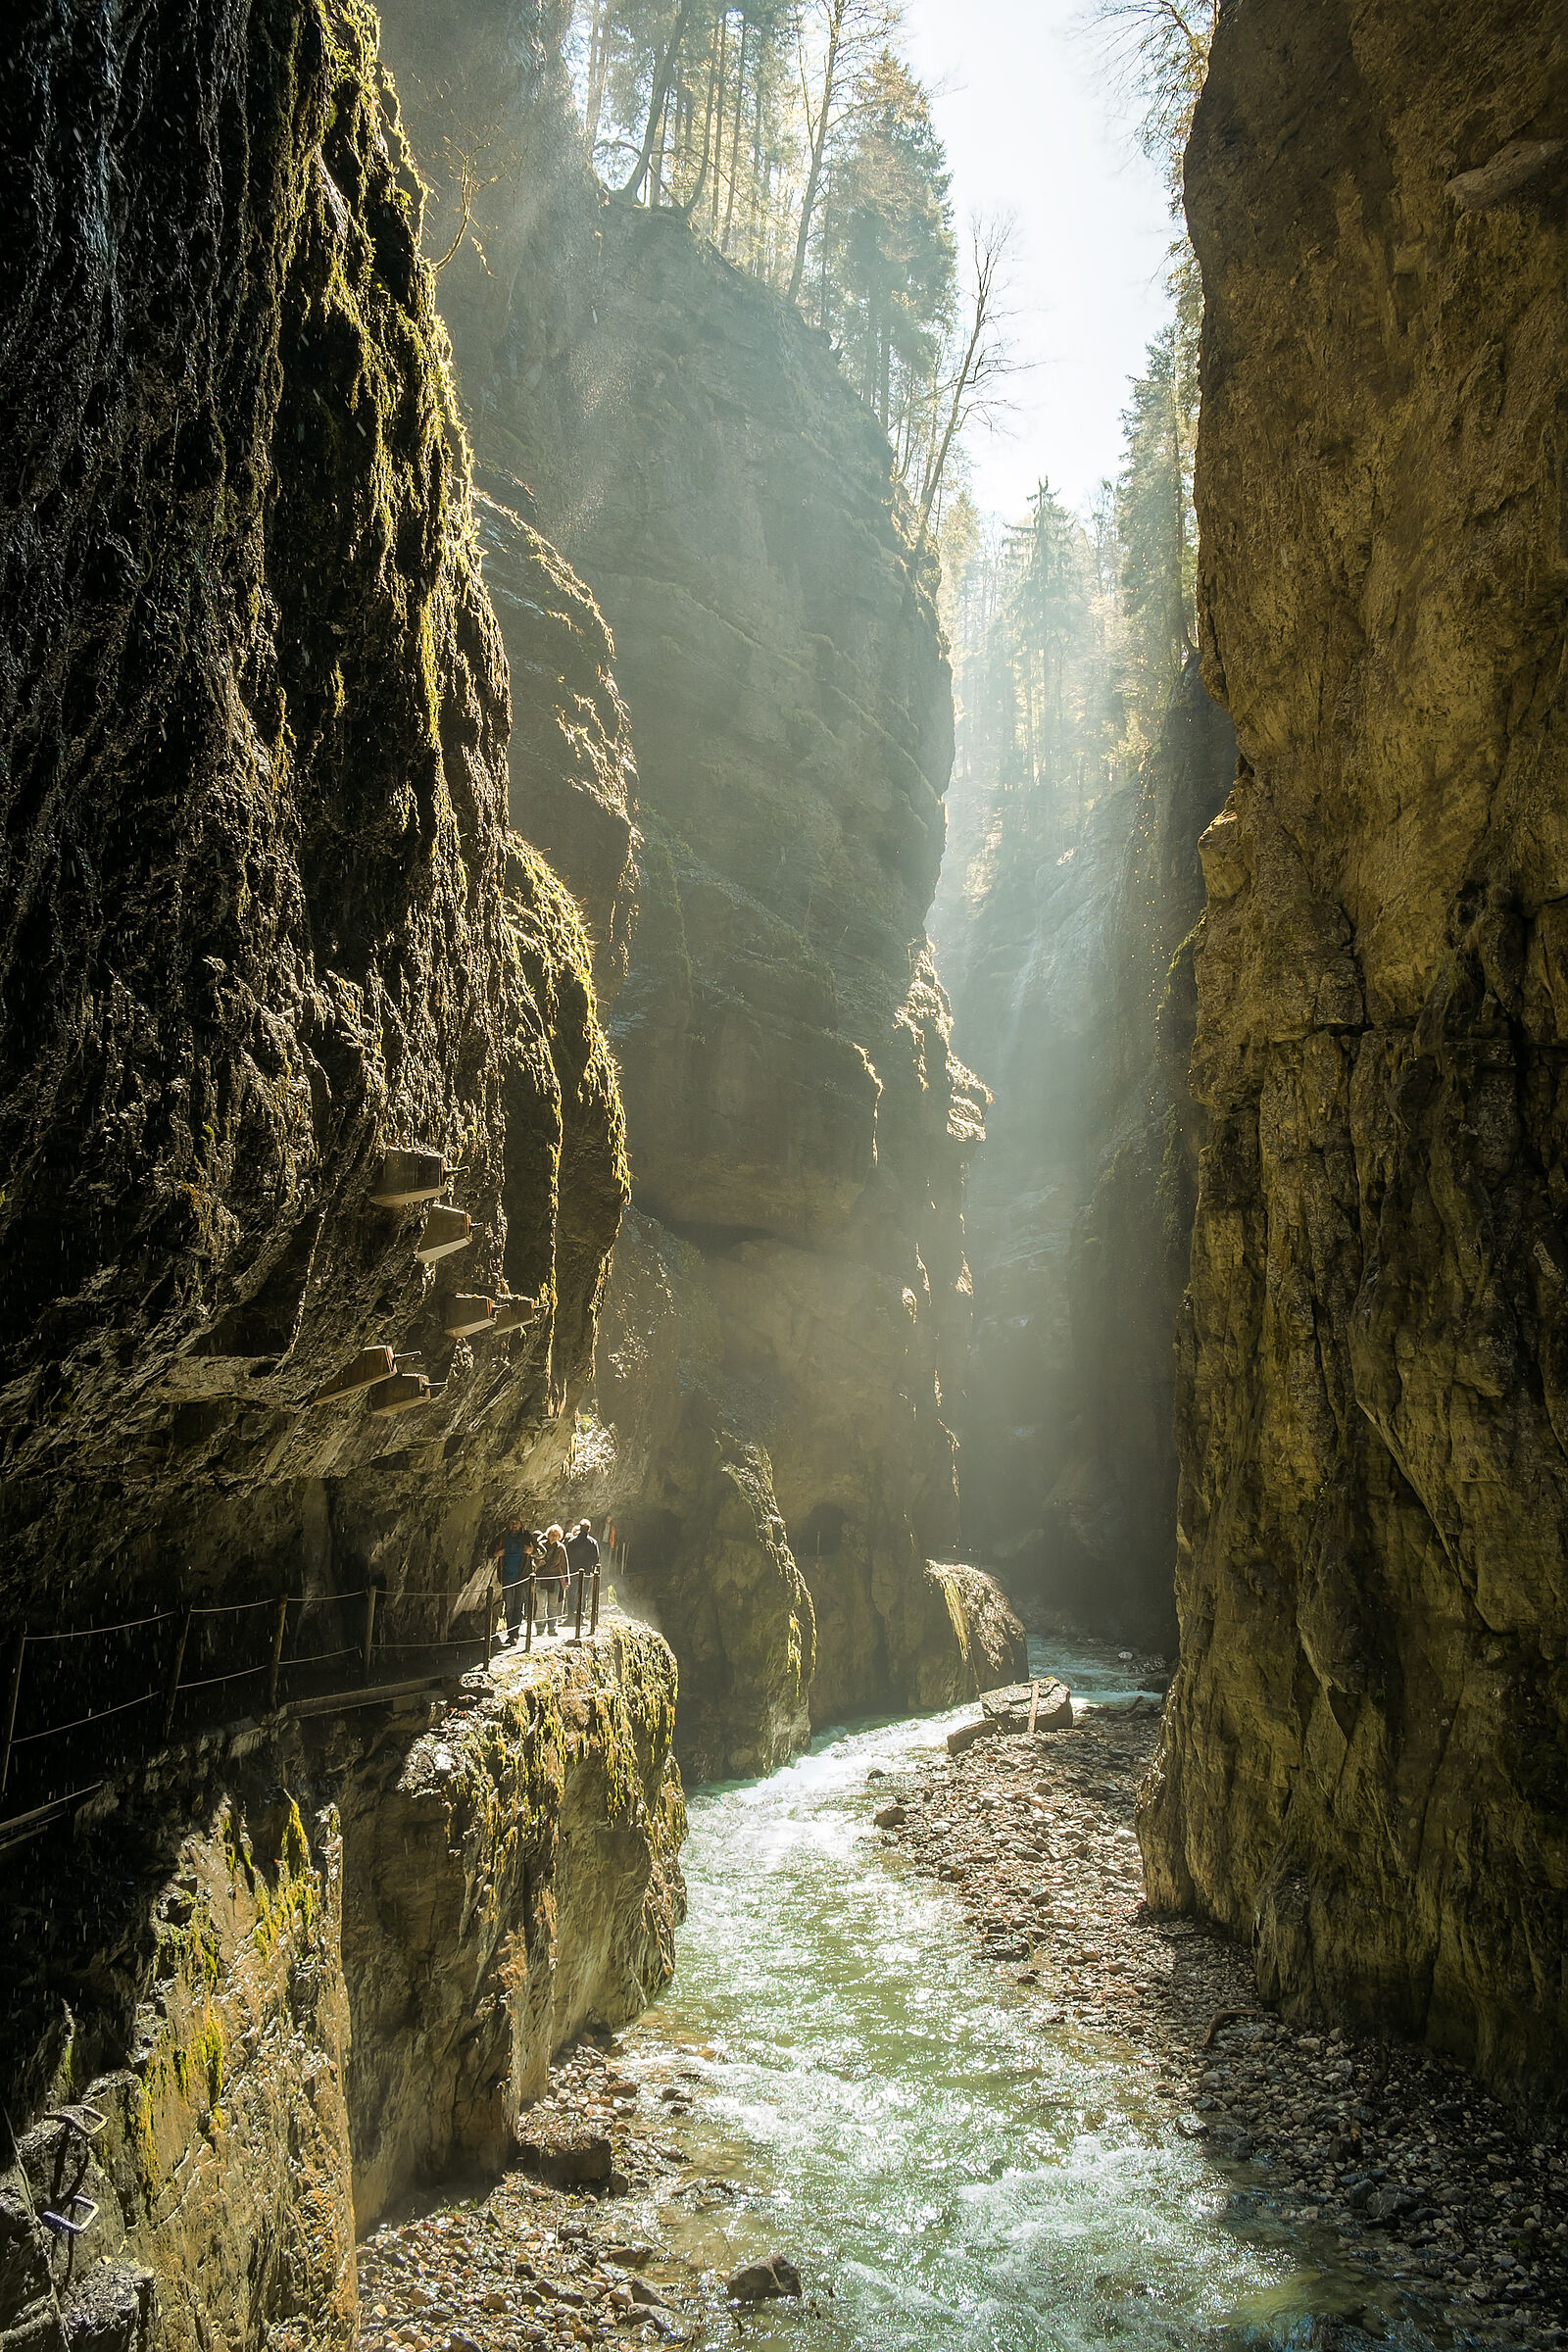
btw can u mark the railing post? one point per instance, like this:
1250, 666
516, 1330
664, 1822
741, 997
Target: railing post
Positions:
593, 1626
527, 1638
280, 1633
13, 1693
576, 1622
174, 1671
369, 1629
489, 1628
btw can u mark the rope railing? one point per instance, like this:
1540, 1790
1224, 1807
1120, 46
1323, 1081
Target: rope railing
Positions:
174, 1684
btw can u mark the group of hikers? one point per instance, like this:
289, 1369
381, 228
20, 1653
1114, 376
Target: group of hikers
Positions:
553, 1556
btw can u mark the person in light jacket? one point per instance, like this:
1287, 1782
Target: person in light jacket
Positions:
553, 1569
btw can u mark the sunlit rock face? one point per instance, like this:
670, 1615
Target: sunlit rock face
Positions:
1365, 1761
261, 915
260, 919
299, 1975
798, 1126
1072, 981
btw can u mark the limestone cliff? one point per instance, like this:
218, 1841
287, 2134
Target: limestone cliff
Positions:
1073, 999
261, 915
798, 1126
263, 923
1365, 1761
298, 1972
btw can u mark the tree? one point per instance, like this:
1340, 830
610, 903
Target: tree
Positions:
850, 33
1160, 49
974, 386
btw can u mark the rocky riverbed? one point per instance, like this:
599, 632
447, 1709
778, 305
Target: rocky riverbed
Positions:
1426, 2186
539, 2259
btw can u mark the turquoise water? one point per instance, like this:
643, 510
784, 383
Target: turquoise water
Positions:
871, 2100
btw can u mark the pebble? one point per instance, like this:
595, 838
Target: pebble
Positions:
1431, 2185
530, 2265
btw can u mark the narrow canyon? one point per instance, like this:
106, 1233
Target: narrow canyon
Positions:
784, 1225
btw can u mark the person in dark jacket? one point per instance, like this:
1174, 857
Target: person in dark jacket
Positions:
515, 1552
583, 1553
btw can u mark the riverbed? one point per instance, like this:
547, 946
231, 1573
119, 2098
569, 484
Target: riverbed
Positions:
871, 2097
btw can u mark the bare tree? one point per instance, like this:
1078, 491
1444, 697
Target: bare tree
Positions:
1160, 51
975, 387
851, 28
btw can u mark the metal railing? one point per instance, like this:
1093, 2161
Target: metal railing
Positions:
187, 1656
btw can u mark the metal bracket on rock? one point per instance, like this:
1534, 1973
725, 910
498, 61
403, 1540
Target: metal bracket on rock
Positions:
66, 2226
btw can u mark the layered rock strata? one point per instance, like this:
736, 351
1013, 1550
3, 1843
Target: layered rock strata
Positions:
798, 1126
311, 1966
263, 923
1072, 985
1365, 1761
261, 915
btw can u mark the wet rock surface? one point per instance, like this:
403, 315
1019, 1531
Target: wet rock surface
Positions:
349, 1975
1428, 2186
261, 914
1366, 1751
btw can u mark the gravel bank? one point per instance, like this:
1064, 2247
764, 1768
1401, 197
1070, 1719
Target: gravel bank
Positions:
533, 2262
1428, 2185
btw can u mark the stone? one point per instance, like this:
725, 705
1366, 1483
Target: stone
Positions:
757, 2282
891, 1817
1072, 999
1373, 1373
790, 1309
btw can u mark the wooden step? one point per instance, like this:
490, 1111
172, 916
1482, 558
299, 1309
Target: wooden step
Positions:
397, 1395
407, 1177
516, 1314
466, 1313
362, 1371
445, 1229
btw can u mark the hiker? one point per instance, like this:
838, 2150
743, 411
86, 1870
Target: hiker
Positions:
553, 1572
515, 1552
583, 1553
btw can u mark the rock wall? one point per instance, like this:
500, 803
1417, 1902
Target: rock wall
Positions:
263, 919
1072, 990
261, 916
306, 1968
1365, 1760
798, 1126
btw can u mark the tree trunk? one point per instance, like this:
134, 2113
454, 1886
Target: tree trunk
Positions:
657, 102
735, 142
813, 177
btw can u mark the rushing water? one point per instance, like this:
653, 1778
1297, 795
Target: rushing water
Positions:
872, 2100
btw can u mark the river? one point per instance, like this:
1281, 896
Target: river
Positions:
871, 2099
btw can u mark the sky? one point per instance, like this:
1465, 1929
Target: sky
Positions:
1023, 102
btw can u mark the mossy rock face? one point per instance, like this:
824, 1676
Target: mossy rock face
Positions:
1365, 1756
301, 1973
797, 1124
261, 914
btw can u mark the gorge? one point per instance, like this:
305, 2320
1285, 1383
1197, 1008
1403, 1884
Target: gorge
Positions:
584, 937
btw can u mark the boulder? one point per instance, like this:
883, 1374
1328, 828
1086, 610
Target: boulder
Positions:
756, 2281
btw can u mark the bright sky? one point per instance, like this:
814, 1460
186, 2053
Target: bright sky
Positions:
1023, 103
